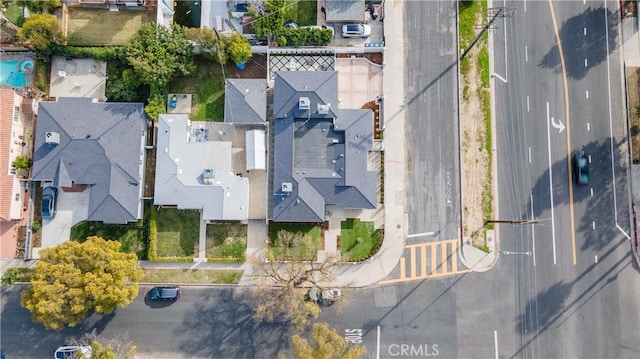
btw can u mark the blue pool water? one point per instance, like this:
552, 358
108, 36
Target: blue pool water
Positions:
16, 73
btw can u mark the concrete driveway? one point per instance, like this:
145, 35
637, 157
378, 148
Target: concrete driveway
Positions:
359, 81
72, 207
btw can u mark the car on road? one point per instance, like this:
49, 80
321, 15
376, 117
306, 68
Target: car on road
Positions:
49, 195
320, 27
165, 293
323, 296
580, 168
73, 352
356, 30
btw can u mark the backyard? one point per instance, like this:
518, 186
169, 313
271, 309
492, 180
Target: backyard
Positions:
206, 84
303, 12
358, 240
131, 236
100, 27
226, 240
177, 232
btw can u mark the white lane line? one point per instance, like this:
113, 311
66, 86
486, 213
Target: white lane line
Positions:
553, 220
378, 349
506, 63
611, 138
589, 158
526, 54
421, 234
585, 63
500, 78
533, 232
529, 154
587, 94
588, 126
591, 191
525, 5
495, 343
593, 224
596, 259
527, 103
585, 31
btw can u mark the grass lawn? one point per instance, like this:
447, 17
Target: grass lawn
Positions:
209, 276
177, 232
305, 12
226, 240
131, 236
206, 84
313, 231
358, 239
100, 27
14, 13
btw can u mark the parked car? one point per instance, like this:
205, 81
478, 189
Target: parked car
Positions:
356, 30
165, 293
580, 168
320, 27
49, 195
73, 352
323, 296
291, 25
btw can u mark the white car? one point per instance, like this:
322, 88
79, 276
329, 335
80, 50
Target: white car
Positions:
326, 296
356, 30
73, 352
320, 27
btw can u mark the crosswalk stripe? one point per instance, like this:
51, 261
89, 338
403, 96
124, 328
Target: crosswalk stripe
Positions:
423, 262
413, 261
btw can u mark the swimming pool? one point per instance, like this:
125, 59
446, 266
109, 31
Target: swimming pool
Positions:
16, 73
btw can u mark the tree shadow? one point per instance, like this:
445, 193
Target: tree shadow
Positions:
578, 46
220, 325
599, 206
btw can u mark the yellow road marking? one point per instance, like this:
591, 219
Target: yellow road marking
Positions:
434, 260
566, 109
454, 258
443, 248
402, 269
423, 262
413, 261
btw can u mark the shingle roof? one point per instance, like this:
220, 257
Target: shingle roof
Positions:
6, 178
180, 167
323, 157
245, 101
102, 146
345, 10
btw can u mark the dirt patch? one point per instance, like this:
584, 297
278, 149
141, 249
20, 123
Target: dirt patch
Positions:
256, 68
375, 107
476, 161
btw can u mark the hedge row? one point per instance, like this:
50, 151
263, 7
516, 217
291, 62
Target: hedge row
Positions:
100, 53
304, 37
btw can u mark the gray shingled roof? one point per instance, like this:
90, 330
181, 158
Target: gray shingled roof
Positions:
245, 101
323, 157
102, 146
345, 10
180, 167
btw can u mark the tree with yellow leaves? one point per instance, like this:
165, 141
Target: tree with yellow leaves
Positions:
326, 344
73, 278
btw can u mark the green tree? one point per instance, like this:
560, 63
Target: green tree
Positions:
268, 17
22, 162
73, 278
38, 6
40, 30
239, 48
285, 277
326, 344
208, 44
157, 53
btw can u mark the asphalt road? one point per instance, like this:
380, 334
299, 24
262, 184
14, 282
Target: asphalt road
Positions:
431, 120
574, 286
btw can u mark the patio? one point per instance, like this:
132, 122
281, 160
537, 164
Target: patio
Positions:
301, 60
78, 78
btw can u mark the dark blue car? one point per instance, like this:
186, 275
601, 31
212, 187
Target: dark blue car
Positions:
49, 202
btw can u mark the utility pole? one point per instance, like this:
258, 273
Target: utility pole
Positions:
514, 221
504, 11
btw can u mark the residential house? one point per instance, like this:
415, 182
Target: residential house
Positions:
13, 109
197, 167
320, 151
82, 145
345, 11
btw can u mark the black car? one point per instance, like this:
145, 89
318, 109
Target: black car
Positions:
580, 168
49, 195
165, 293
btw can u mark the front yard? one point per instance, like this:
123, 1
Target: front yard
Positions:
177, 232
226, 240
312, 231
358, 240
100, 27
131, 236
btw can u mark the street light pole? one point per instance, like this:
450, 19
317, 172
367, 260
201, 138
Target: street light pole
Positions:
514, 221
504, 11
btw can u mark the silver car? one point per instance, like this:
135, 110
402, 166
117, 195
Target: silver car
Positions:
356, 30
